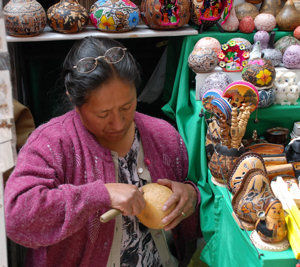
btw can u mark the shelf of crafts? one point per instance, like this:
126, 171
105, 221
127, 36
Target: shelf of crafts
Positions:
141, 31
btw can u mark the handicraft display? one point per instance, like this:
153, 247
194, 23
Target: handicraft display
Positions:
67, 16
165, 14
114, 15
233, 56
24, 18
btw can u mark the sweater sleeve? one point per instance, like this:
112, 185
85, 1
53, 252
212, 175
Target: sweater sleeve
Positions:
40, 208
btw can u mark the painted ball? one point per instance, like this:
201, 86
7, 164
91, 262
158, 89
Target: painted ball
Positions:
265, 22
203, 60
209, 42
263, 37
247, 24
291, 57
297, 32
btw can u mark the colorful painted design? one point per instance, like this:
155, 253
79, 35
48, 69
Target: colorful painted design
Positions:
209, 96
233, 56
202, 60
114, 16
221, 107
67, 16
165, 14
24, 18
241, 92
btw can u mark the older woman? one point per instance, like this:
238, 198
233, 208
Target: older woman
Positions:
94, 158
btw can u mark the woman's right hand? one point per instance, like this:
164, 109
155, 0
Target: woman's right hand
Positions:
126, 197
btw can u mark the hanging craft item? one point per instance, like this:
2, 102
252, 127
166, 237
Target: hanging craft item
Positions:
165, 14
244, 163
67, 16
233, 57
114, 15
241, 92
254, 191
206, 13
24, 18
203, 59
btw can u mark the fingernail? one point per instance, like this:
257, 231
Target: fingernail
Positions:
163, 221
164, 208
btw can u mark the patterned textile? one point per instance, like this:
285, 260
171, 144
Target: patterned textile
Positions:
137, 247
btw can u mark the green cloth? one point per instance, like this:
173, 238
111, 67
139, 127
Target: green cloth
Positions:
226, 243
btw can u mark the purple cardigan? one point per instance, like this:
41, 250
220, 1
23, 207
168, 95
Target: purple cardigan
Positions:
56, 193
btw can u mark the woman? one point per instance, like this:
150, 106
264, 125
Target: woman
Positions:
94, 158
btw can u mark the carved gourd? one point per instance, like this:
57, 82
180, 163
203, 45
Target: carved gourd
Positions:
288, 18
271, 6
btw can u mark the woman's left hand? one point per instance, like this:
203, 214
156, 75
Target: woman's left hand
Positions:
184, 197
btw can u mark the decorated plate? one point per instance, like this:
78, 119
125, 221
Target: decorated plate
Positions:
241, 92
221, 108
208, 96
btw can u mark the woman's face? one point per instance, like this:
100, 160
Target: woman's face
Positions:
109, 111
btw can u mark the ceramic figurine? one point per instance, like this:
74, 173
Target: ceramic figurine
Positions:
67, 16
287, 91
288, 18
247, 24
217, 80
233, 57
270, 6
253, 193
265, 22
296, 32
284, 42
271, 53
244, 163
206, 13
291, 57
165, 15
209, 42
266, 97
202, 60
271, 226
232, 22
246, 9
263, 37
24, 18
114, 15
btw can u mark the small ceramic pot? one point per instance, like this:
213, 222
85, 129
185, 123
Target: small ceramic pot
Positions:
265, 22
291, 57
203, 60
168, 15
24, 18
284, 42
209, 42
260, 72
266, 97
67, 16
114, 15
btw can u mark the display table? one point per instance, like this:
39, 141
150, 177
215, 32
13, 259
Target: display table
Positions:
227, 245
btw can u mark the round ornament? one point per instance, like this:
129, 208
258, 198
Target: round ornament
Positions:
259, 72
114, 15
217, 80
291, 57
265, 22
263, 37
241, 92
209, 96
203, 60
209, 42
247, 25
233, 56
67, 16
284, 42
297, 33
266, 97
24, 18
165, 15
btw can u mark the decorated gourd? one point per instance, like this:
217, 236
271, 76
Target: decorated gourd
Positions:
271, 53
246, 9
165, 15
209, 42
202, 60
291, 57
265, 22
284, 42
114, 15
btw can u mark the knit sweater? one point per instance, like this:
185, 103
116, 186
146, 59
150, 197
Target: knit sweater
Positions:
56, 193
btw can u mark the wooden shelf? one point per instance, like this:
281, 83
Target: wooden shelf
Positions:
141, 31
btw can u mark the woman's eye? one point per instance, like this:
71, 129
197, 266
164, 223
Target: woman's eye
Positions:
102, 116
126, 108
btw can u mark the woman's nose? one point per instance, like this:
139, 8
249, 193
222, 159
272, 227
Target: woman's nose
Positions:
117, 121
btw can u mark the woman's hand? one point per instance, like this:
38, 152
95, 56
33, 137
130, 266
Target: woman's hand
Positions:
184, 197
126, 197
